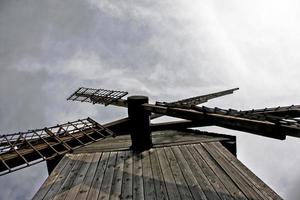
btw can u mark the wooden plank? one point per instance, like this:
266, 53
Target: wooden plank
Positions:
201, 178
138, 186
62, 176
178, 176
116, 190
97, 181
108, 177
219, 188
80, 176
87, 182
64, 189
171, 186
127, 177
187, 172
224, 178
231, 172
159, 183
246, 172
51, 179
149, 190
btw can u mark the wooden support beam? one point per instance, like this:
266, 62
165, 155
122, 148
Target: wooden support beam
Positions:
139, 124
263, 128
182, 124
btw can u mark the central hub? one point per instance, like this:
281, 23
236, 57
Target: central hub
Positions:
139, 123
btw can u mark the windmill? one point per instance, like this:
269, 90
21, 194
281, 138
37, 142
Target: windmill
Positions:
131, 158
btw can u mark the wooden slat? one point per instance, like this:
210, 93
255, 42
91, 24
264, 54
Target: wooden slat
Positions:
159, 183
127, 177
201, 178
138, 186
51, 179
171, 186
178, 176
244, 186
219, 188
88, 179
108, 177
149, 190
197, 171
62, 176
97, 181
246, 172
187, 172
224, 178
64, 189
75, 187
116, 190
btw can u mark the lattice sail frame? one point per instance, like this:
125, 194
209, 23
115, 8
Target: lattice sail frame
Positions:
193, 101
266, 114
100, 96
24, 149
275, 123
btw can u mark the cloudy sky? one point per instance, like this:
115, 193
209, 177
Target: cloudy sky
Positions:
167, 50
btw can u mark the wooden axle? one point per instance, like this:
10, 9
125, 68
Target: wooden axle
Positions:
139, 123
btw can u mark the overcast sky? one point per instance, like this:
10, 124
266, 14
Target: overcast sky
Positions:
167, 50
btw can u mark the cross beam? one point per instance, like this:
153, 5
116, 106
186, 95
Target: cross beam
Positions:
258, 127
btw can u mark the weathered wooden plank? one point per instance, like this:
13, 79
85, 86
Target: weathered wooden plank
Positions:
87, 182
127, 177
116, 190
178, 176
62, 176
149, 190
159, 183
51, 179
74, 188
138, 186
192, 183
108, 177
62, 193
224, 178
220, 189
201, 178
246, 172
97, 181
231, 172
171, 186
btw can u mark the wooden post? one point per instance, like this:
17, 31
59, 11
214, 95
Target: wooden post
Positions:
139, 123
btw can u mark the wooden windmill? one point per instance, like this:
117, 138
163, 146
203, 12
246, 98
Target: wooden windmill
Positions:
132, 158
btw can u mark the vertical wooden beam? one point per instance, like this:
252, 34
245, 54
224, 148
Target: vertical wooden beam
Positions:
139, 123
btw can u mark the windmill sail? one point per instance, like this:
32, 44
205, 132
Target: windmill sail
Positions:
193, 101
28, 148
99, 96
198, 99
290, 111
268, 126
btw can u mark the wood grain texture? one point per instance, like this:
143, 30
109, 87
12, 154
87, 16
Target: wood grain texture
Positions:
205, 171
51, 179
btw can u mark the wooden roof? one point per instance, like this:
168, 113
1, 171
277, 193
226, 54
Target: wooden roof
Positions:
181, 165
